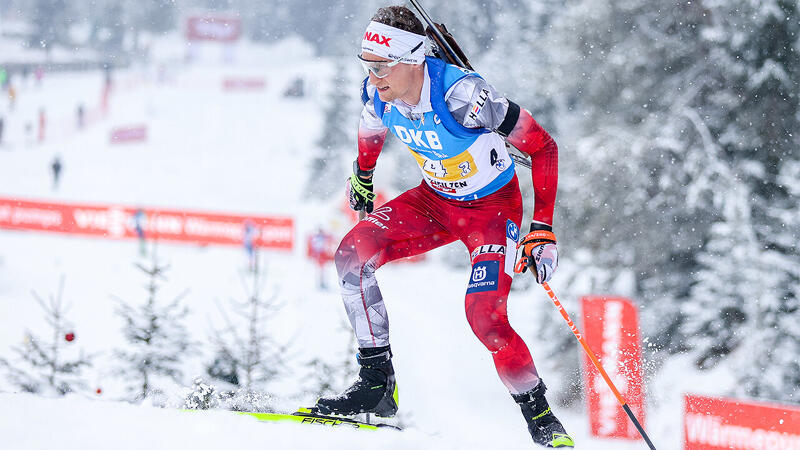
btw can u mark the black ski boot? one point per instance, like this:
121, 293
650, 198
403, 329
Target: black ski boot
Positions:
375, 390
543, 425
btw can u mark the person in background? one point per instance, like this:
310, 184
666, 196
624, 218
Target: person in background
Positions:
80, 116
320, 250
42, 124
56, 167
12, 97
28, 134
139, 223
249, 241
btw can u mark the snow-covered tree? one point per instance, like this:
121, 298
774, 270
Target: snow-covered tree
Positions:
49, 18
328, 376
677, 122
48, 366
247, 355
751, 109
156, 337
326, 176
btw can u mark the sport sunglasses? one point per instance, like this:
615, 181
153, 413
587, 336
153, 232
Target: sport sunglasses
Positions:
381, 69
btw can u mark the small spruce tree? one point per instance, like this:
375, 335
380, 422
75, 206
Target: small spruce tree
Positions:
41, 366
156, 338
247, 357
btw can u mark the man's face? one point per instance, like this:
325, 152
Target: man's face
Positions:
397, 84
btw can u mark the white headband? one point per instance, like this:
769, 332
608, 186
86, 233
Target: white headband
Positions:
392, 43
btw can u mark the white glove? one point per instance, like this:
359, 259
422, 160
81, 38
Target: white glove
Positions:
540, 254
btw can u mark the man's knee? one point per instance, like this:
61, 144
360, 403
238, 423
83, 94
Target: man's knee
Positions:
353, 256
489, 321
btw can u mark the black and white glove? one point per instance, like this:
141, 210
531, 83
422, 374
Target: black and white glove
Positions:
539, 253
360, 190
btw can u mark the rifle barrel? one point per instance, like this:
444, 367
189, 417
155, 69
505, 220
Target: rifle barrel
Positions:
438, 33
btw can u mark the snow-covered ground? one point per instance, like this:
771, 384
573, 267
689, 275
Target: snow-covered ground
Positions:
241, 152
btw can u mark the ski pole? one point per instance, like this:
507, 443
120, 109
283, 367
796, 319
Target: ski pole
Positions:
596, 363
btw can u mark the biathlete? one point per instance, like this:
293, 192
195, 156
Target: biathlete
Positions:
455, 125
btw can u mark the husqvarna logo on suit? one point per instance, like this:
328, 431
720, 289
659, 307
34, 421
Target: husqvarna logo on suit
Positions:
418, 138
484, 277
479, 274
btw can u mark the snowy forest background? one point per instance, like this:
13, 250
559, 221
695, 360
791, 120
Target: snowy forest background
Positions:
678, 124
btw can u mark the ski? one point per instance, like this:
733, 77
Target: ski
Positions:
306, 416
309, 417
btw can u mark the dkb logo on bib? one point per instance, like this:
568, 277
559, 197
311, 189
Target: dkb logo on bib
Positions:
418, 138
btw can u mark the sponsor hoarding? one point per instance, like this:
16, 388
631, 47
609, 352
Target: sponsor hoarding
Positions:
611, 328
122, 222
243, 84
136, 133
721, 423
213, 28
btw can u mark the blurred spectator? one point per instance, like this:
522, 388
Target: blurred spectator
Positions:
104, 98
42, 124
3, 78
139, 222
12, 97
108, 78
249, 241
39, 74
80, 116
56, 168
1, 130
321, 250
28, 133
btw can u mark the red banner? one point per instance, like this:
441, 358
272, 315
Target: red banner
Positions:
611, 328
213, 28
720, 423
243, 84
121, 222
129, 134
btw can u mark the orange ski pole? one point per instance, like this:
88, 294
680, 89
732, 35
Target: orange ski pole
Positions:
596, 363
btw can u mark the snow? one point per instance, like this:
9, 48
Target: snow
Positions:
243, 152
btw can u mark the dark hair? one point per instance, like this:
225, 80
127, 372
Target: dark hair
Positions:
399, 17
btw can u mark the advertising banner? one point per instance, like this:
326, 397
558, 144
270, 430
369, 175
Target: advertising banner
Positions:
721, 423
136, 133
611, 328
243, 84
125, 222
213, 28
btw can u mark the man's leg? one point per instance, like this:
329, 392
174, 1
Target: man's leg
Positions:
405, 226
486, 306
490, 229
400, 228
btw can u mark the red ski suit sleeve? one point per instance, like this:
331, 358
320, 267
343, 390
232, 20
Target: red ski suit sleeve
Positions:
370, 144
529, 137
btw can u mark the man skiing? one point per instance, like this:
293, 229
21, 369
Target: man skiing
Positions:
455, 125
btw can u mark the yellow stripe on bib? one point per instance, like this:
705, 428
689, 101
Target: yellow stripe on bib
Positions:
456, 168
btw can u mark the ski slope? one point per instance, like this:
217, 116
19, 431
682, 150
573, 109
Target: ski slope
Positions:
243, 152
